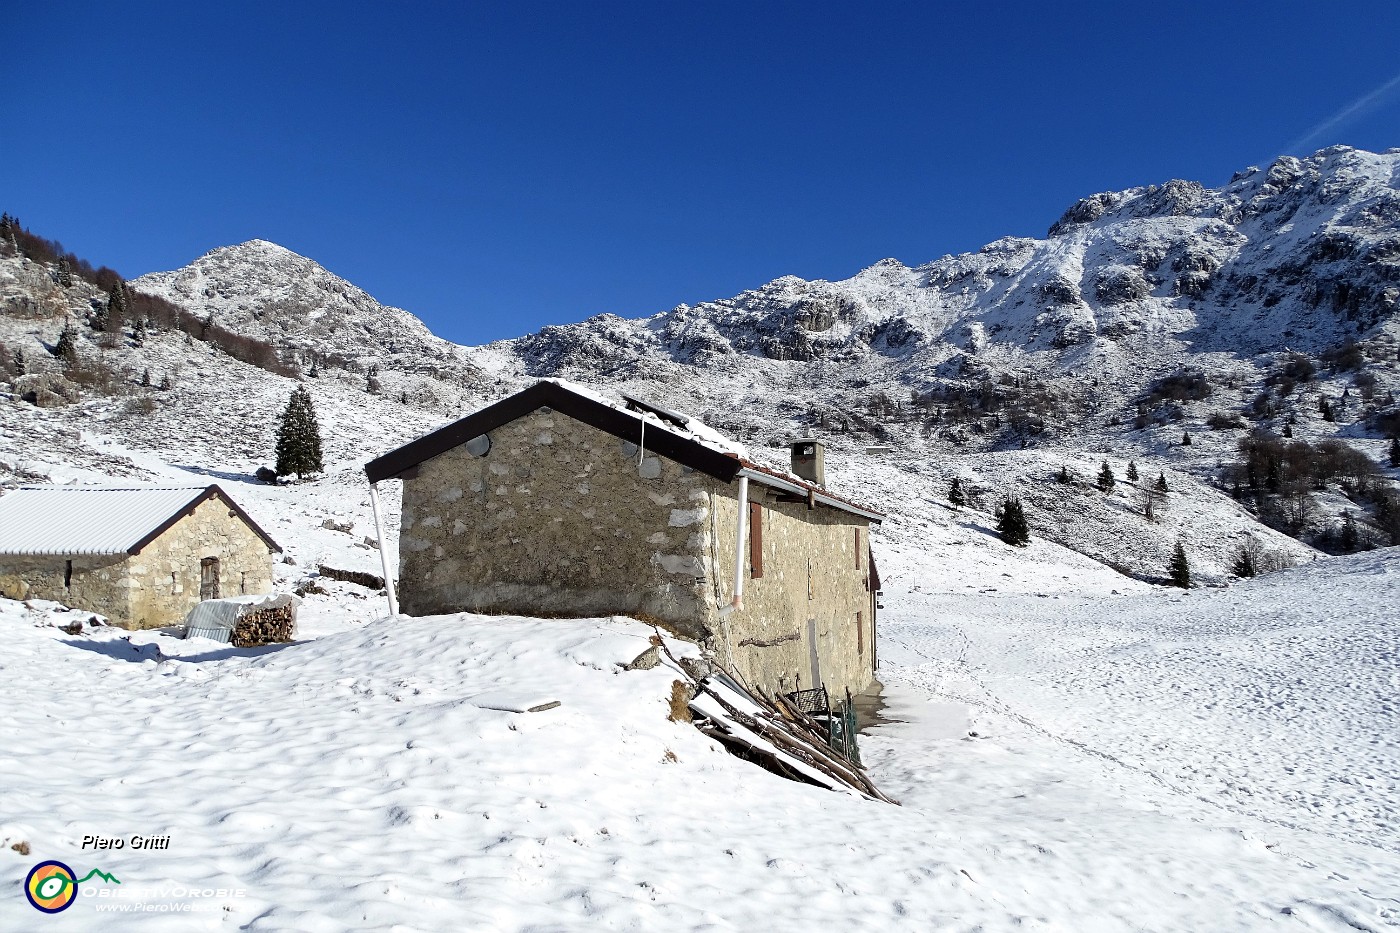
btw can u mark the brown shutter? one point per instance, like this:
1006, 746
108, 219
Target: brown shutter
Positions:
755, 540
860, 634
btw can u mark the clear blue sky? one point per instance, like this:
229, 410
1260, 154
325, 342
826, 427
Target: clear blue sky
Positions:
493, 167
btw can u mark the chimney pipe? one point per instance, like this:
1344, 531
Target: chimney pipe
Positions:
809, 460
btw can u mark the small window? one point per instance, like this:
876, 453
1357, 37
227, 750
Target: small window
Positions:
67, 574
857, 548
243, 584
174, 583
860, 633
755, 540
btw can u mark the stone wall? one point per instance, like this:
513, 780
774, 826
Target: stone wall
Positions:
557, 518
164, 578
159, 585
95, 584
815, 579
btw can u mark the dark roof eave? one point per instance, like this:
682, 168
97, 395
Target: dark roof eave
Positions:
623, 425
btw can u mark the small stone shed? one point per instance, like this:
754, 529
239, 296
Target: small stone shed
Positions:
560, 502
141, 556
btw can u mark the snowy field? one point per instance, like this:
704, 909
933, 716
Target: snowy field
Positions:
1069, 758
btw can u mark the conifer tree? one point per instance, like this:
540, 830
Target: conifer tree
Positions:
1348, 538
21, 364
955, 493
299, 437
165, 382
1394, 450
1180, 568
67, 347
1162, 482
1132, 471
146, 377
64, 275
1186, 439
1287, 429
1064, 476
1012, 524
116, 308
1106, 478
138, 332
1244, 563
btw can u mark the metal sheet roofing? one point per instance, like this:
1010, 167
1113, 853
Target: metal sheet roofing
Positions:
89, 520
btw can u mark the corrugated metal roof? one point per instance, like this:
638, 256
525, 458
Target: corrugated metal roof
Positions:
87, 520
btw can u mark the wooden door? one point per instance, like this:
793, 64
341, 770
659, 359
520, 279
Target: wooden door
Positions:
209, 578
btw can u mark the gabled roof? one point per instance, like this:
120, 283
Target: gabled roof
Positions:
671, 434
80, 521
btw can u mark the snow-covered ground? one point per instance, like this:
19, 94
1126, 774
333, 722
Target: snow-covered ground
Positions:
1147, 759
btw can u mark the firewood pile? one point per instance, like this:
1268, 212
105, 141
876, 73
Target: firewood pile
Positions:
265, 626
769, 731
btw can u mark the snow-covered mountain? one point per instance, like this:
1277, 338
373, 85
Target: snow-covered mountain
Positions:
266, 291
1053, 348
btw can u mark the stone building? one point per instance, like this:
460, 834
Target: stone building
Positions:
141, 556
559, 502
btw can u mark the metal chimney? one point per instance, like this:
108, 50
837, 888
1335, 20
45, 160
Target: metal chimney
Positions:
809, 459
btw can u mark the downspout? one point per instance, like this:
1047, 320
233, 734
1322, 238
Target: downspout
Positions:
383, 549
740, 527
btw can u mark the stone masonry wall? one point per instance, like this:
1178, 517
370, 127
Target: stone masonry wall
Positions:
557, 518
95, 584
159, 585
164, 578
813, 569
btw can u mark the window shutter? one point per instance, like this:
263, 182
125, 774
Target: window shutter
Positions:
755, 540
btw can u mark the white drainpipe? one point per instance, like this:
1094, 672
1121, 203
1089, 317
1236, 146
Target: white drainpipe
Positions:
739, 529
383, 549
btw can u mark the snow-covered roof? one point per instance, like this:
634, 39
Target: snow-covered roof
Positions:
671, 434
98, 520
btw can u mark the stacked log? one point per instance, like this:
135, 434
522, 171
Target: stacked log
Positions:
770, 731
265, 627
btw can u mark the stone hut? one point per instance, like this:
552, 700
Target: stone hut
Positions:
559, 502
141, 556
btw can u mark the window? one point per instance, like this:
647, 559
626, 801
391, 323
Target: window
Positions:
755, 540
857, 531
860, 633
68, 575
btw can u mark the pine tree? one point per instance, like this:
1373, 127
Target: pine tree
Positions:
138, 332
116, 308
299, 437
1348, 537
67, 347
955, 493
1180, 568
21, 364
1186, 439
372, 385
1106, 478
1244, 563
1287, 429
1064, 476
146, 377
1394, 450
1132, 471
1162, 482
64, 275
1012, 524
165, 382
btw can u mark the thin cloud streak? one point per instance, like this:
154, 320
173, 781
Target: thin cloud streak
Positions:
1301, 145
